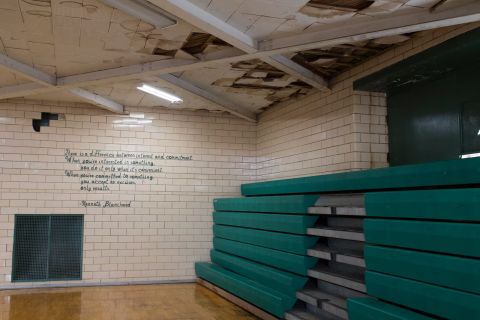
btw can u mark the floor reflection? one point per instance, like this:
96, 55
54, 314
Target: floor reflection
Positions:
145, 302
46, 306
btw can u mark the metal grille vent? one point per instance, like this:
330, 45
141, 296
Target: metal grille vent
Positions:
47, 247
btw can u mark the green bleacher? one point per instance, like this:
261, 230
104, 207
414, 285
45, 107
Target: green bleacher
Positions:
442, 237
288, 223
372, 309
432, 299
435, 174
461, 204
439, 269
293, 243
296, 204
279, 280
421, 230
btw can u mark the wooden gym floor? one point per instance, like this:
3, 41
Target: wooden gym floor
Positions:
152, 302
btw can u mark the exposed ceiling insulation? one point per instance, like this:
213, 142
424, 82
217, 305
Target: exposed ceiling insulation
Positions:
349, 5
331, 61
260, 78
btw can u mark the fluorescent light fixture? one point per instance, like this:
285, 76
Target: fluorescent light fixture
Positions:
136, 115
160, 93
470, 155
134, 121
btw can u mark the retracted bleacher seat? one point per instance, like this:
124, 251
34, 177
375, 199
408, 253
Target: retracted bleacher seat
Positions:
407, 236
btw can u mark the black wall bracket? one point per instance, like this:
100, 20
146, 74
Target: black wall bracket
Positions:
44, 121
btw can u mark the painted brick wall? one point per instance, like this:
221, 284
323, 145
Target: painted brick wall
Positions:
168, 224
339, 130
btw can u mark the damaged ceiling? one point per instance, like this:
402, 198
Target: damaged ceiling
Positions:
79, 38
331, 61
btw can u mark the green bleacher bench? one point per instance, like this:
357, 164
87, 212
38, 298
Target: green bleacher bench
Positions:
291, 262
297, 204
372, 309
292, 243
443, 237
282, 281
442, 173
259, 295
290, 223
439, 301
443, 204
444, 270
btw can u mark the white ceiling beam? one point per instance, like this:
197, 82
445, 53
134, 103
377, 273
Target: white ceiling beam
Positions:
22, 90
44, 82
143, 10
372, 28
207, 22
300, 72
27, 71
124, 73
97, 100
225, 104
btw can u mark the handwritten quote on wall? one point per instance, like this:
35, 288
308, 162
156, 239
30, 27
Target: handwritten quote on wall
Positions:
99, 170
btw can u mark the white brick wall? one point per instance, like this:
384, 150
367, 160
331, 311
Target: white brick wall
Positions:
168, 226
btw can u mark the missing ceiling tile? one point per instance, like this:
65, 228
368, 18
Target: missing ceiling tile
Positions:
345, 5
262, 80
197, 42
162, 52
330, 62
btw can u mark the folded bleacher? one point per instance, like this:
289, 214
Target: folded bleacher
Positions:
397, 243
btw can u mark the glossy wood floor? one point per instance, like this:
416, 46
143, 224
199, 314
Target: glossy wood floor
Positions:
152, 302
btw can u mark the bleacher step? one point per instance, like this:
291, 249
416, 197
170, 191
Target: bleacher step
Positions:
304, 314
344, 279
341, 200
339, 233
324, 301
338, 211
322, 251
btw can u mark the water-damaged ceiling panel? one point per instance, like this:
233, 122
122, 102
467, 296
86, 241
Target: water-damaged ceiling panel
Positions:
66, 37
266, 18
253, 84
331, 61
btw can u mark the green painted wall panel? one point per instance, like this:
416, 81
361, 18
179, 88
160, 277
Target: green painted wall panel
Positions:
444, 270
372, 309
282, 260
438, 115
275, 222
443, 237
251, 291
443, 204
297, 204
435, 300
292, 243
443, 173
282, 281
